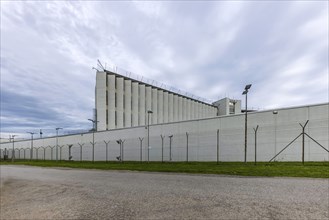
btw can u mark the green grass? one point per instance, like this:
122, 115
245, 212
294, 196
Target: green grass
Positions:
287, 169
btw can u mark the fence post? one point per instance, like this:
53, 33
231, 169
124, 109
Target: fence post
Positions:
122, 142
170, 142
186, 147
44, 153
141, 149
70, 146
60, 152
255, 129
162, 137
303, 140
106, 143
217, 146
80, 150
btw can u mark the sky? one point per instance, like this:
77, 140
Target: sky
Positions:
211, 49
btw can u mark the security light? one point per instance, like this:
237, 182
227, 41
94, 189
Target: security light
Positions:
247, 87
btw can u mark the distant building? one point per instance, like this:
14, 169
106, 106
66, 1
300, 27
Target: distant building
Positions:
122, 102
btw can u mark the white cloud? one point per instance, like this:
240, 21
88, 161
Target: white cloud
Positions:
206, 48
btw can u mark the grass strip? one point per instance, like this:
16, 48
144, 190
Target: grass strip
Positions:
278, 169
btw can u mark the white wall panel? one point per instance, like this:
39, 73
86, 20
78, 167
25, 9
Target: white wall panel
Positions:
134, 107
165, 107
180, 108
171, 107
160, 106
111, 102
141, 105
148, 101
154, 106
176, 107
127, 107
185, 110
101, 100
119, 102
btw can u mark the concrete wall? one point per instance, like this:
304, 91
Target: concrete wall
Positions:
274, 133
122, 102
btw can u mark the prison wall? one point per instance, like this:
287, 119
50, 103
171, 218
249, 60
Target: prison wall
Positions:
197, 137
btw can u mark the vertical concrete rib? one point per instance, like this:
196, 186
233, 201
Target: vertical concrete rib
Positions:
141, 105
127, 109
165, 107
180, 108
199, 110
119, 102
155, 106
101, 100
171, 107
175, 107
204, 111
134, 107
188, 109
184, 111
148, 102
192, 109
160, 106
111, 101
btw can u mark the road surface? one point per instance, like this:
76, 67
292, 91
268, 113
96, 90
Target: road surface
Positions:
60, 193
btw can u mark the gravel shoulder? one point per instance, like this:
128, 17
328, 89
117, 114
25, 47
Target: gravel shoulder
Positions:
51, 193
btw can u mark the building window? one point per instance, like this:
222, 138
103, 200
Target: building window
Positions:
107, 98
232, 108
107, 118
115, 119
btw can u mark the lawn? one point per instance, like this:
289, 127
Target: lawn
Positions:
287, 169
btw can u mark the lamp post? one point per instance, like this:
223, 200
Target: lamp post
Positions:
32, 133
275, 113
245, 92
93, 143
13, 154
57, 143
148, 134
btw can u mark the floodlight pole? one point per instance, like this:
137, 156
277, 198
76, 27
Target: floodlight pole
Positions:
13, 156
275, 125
57, 143
148, 134
245, 92
93, 143
245, 130
32, 133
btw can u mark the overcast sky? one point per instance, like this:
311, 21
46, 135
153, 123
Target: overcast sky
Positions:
210, 49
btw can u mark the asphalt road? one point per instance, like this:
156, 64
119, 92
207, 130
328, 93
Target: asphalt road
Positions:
44, 193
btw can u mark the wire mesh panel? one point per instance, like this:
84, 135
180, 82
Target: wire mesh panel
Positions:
75, 152
87, 152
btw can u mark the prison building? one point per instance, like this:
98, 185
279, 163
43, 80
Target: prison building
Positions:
122, 102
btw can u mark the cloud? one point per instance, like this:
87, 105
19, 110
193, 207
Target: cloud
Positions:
210, 49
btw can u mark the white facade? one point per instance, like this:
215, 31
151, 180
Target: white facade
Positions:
275, 132
122, 102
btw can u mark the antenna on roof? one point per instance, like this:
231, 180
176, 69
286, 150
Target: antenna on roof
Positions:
100, 65
93, 68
